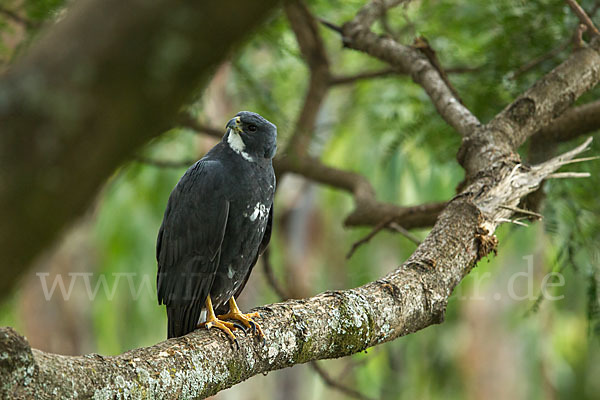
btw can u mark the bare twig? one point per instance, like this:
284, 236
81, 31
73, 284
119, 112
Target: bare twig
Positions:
378, 228
512, 221
405, 232
346, 79
331, 25
582, 159
187, 121
270, 275
335, 384
385, 72
561, 175
522, 211
540, 59
422, 44
578, 36
387, 223
164, 163
583, 17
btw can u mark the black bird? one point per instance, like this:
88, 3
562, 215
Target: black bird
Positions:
217, 222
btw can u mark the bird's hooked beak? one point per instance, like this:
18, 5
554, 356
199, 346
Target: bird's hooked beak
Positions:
234, 124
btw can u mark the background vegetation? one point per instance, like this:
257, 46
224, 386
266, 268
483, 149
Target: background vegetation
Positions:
501, 339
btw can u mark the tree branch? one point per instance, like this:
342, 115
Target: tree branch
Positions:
583, 17
408, 299
368, 211
347, 79
387, 223
311, 45
185, 120
409, 60
334, 383
538, 107
16, 17
540, 59
278, 289
580, 120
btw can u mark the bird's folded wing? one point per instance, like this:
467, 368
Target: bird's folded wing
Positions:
190, 238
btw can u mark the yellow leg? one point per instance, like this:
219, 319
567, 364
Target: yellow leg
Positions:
213, 322
246, 319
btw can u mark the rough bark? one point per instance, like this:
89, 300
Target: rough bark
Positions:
535, 109
200, 364
72, 110
576, 121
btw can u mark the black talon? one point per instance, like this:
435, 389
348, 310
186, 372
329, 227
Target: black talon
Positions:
253, 326
240, 326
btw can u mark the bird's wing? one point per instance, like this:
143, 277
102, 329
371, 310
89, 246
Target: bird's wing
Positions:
189, 242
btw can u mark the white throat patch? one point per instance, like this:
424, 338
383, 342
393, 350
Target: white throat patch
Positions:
237, 144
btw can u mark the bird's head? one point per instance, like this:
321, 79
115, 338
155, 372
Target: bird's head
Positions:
251, 136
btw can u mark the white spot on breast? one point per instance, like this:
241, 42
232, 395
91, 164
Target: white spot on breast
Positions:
237, 144
229, 272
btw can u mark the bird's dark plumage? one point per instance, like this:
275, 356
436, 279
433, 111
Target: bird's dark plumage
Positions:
217, 222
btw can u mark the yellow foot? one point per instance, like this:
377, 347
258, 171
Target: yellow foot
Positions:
245, 319
226, 327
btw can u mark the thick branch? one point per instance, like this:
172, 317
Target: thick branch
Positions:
409, 60
104, 80
311, 45
202, 363
538, 107
576, 121
549, 97
368, 211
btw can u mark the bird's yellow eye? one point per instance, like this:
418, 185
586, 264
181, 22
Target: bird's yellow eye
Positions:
252, 128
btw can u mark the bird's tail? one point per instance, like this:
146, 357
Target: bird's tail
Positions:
183, 319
